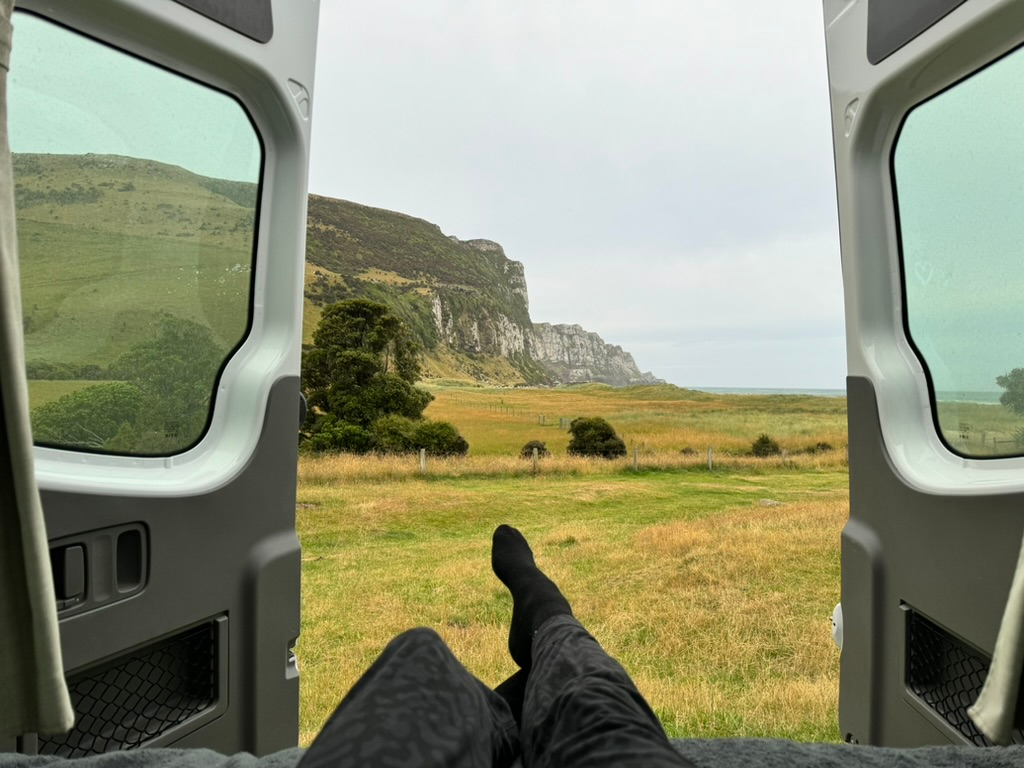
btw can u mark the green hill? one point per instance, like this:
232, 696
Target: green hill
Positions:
109, 245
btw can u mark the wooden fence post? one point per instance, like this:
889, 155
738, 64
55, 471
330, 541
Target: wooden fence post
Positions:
535, 458
711, 461
423, 460
636, 458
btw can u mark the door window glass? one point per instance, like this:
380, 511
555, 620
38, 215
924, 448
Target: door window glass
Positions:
958, 168
136, 192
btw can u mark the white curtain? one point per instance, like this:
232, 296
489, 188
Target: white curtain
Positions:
33, 695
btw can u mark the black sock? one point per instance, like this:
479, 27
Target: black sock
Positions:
535, 597
513, 691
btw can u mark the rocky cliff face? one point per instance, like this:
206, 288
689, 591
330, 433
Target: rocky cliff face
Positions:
574, 355
481, 333
467, 322
465, 295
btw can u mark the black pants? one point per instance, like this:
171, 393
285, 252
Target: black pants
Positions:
418, 707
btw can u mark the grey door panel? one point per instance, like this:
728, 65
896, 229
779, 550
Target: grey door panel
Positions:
252, 18
893, 25
197, 548
922, 574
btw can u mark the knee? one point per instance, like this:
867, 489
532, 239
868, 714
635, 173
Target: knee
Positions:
417, 637
421, 643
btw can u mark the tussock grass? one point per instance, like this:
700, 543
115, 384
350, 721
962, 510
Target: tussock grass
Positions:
333, 468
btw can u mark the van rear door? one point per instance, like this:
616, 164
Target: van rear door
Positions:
928, 121
160, 153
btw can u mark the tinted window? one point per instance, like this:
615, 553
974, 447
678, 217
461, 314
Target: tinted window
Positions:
136, 193
959, 174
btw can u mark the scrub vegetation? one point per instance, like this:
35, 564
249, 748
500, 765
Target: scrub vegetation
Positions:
713, 588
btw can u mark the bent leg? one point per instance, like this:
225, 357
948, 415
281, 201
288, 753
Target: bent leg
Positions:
417, 706
583, 709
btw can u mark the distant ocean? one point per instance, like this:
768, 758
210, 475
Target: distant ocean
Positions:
981, 397
770, 391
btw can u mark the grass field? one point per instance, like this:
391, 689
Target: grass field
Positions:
714, 589
657, 419
981, 429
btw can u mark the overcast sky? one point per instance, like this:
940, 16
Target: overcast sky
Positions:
662, 169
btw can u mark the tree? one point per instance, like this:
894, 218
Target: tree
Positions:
359, 380
87, 418
160, 405
1013, 397
594, 436
176, 373
363, 365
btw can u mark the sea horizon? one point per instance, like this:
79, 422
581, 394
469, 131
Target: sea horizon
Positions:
770, 391
981, 397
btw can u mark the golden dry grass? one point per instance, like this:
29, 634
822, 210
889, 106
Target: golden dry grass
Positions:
385, 468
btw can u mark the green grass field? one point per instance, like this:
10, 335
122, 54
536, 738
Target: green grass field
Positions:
979, 429
714, 589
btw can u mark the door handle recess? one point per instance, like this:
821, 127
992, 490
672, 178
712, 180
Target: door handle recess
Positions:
99, 567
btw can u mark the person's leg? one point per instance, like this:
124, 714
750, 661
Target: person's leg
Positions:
417, 706
581, 707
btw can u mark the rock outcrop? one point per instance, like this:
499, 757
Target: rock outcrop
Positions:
574, 355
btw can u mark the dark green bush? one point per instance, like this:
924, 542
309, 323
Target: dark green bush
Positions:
399, 434
393, 434
440, 438
527, 450
593, 436
339, 436
765, 446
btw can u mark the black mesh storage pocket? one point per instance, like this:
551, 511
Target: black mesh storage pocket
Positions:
947, 674
132, 699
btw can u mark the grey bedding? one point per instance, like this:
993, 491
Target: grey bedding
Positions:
706, 753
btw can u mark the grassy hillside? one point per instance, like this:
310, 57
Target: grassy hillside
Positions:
110, 245
407, 254
354, 250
